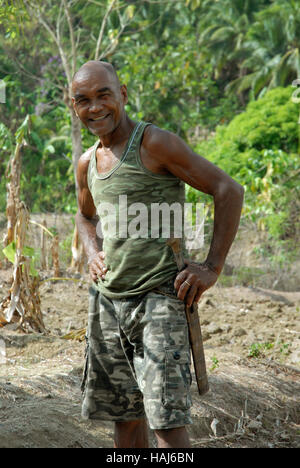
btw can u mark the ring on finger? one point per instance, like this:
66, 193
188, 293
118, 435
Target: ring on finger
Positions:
187, 283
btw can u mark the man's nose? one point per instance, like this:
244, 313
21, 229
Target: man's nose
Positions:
95, 105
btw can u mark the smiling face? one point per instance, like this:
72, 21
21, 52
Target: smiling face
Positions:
98, 98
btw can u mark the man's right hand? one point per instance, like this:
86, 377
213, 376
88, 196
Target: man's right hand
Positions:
97, 266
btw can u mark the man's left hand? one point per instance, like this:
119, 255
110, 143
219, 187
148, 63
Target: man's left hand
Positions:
191, 282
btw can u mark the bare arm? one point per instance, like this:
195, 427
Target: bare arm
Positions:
175, 157
86, 222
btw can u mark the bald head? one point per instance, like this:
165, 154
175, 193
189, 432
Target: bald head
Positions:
94, 68
98, 98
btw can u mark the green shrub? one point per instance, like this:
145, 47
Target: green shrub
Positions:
259, 150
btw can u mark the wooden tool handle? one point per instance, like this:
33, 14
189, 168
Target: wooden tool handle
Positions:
195, 334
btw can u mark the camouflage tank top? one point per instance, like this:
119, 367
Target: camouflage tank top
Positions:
138, 211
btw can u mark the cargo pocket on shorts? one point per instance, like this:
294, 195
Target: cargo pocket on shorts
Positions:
178, 379
86, 365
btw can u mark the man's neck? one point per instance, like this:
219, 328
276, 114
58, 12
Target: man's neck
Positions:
120, 134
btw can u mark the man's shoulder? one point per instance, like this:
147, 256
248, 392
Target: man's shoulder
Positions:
155, 135
86, 156
155, 138
84, 160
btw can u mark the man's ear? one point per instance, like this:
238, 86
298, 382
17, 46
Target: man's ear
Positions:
74, 107
124, 94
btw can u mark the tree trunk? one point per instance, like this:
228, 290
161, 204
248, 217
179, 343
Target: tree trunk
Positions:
76, 143
75, 131
77, 150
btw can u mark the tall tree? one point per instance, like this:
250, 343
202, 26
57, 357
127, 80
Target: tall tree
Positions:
223, 27
271, 49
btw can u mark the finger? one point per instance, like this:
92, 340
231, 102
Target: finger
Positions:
183, 289
97, 276
96, 271
101, 265
180, 278
98, 265
102, 274
93, 276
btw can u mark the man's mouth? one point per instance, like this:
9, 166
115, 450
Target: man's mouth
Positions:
98, 119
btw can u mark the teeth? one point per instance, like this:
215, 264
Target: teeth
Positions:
99, 118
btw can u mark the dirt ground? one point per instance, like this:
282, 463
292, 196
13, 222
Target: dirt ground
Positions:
253, 359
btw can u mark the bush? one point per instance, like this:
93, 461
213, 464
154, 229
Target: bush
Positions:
258, 149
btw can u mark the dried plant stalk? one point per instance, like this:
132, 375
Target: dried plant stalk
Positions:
77, 253
44, 259
22, 305
13, 193
55, 255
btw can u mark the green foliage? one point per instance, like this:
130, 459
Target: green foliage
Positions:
258, 349
47, 178
66, 249
246, 276
269, 123
223, 28
10, 253
169, 81
215, 363
270, 49
168, 92
47, 181
11, 14
258, 149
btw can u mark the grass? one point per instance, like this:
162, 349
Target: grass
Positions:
260, 350
215, 363
246, 276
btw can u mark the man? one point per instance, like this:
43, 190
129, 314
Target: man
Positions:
138, 357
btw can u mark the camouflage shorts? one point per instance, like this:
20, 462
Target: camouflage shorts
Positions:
138, 359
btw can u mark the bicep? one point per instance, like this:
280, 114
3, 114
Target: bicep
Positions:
180, 160
192, 168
